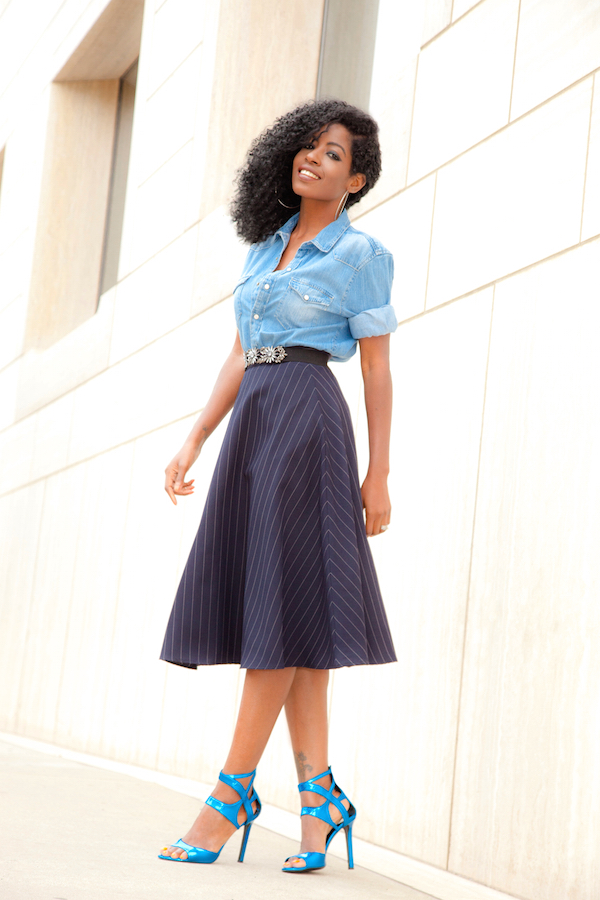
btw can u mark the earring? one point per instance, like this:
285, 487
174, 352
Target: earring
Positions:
286, 206
342, 204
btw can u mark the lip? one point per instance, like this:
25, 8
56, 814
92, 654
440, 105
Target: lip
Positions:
312, 177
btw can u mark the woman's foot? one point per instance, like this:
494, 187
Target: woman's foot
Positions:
211, 830
315, 831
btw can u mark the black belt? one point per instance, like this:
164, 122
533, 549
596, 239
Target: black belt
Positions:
269, 355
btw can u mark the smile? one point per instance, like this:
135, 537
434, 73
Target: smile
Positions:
309, 174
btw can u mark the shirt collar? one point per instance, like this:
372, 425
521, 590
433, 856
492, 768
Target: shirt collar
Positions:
326, 238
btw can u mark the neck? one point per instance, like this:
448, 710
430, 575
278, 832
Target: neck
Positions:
315, 215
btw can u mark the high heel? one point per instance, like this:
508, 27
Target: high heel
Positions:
247, 796
317, 860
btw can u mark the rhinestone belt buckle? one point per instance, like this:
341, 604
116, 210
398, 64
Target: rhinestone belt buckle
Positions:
259, 355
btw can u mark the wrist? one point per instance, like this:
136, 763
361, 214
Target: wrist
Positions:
379, 472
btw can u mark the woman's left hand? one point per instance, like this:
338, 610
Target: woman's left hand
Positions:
376, 503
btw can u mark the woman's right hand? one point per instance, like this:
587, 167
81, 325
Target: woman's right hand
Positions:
176, 471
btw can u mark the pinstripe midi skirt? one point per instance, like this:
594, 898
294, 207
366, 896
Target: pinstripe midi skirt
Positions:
280, 573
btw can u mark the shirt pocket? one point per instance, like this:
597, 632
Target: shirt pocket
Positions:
303, 304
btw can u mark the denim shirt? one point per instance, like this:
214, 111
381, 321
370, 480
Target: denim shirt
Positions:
334, 291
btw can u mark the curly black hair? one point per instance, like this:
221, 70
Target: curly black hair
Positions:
266, 176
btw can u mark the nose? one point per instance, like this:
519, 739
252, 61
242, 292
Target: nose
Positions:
311, 156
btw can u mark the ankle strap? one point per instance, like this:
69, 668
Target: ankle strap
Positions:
247, 796
322, 811
306, 785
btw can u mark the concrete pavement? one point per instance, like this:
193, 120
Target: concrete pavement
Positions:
75, 832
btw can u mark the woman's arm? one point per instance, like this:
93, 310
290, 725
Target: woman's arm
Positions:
375, 365
219, 403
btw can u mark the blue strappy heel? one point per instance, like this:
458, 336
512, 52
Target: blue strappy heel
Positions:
317, 860
247, 796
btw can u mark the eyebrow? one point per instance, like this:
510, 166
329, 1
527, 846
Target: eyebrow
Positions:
329, 143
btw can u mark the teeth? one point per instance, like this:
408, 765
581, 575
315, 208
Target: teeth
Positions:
310, 174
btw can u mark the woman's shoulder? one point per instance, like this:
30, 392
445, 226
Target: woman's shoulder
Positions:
357, 247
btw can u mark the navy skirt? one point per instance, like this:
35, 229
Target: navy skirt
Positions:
280, 573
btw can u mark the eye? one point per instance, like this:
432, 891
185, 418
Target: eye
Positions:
309, 146
334, 155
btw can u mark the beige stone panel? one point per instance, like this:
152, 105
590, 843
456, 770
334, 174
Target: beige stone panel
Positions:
460, 7
48, 619
155, 298
164, 382
202, 141
16, 453
512, 200
251, 88
403, 225
177, 30
20, 515
88, 653
559, 43
71, 361
12, 329
591, 203
22, 172
148, 577
437, 15
15, 263
391, 106
525, 813
463, 86
160, 209
110, 46
70, 227
52, 431
169, 115
401, 719
9, 379
220, 256
19, 34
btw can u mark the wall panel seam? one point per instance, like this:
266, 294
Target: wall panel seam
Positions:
467, 599
488, 137
24, 62
171, 74
512, 80
118, 585
86, 459
430, 244
162, 165
410, 133
32, 591
500, 279
587, 156
451, 23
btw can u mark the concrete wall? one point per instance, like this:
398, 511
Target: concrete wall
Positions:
477, 753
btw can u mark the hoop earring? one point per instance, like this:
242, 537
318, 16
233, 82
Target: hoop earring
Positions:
286, 206
342, 204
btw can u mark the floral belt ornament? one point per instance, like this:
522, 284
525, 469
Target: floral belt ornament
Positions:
258, 355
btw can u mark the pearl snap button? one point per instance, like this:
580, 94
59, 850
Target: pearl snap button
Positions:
306, 297
267, 286
255, 316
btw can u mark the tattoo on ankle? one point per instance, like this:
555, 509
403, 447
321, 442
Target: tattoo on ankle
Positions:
302, 767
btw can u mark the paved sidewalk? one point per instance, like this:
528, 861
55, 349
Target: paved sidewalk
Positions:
75, 832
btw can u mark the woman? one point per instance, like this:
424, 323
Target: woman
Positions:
280, 578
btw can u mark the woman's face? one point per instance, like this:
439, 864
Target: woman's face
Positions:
321, 169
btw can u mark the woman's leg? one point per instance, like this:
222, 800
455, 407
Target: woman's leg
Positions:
265, 692
306, 711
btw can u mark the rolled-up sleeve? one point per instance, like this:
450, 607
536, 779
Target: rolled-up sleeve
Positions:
368, 298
